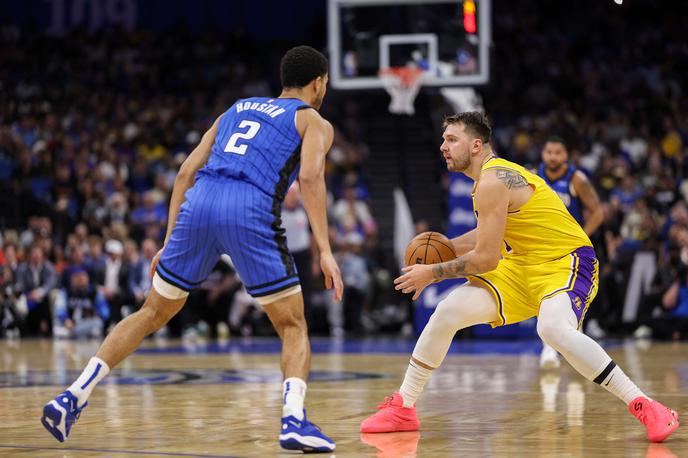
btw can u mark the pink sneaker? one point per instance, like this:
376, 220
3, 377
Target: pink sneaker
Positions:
660, 421
391, 417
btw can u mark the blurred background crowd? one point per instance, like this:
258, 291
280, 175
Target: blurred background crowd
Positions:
94, 125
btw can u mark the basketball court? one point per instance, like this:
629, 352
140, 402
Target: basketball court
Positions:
223, 399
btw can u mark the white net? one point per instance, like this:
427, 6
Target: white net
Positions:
402, 84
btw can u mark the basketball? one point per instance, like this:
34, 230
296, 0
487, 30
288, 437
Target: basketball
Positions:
429, 248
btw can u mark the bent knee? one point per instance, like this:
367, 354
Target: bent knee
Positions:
291, 323
156, 317
474, 307
443, 319
555, 333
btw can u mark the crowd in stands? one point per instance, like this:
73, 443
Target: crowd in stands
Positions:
90, 142
93, 128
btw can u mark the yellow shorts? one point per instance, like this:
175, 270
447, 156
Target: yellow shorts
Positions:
519, 289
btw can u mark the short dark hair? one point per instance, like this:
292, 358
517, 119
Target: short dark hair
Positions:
476, 122
556, 139
301, 65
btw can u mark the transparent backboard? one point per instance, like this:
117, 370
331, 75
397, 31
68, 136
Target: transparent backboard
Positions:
448, 39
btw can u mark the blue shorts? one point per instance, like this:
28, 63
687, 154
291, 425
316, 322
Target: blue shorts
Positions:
223, 215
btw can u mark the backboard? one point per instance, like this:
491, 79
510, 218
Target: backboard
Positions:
448, 39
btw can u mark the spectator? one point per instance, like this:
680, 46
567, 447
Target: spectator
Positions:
353, 207
117, 208
80, 310
11, 258
672, 324
36, 279
11, 317
77, 261
115, 287
626, 194
149, 218
139, 272
95, 261
356, 280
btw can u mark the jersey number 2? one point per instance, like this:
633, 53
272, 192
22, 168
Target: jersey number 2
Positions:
232, 146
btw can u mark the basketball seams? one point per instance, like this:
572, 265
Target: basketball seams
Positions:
413, 253
439, 255
444, 244
419, 249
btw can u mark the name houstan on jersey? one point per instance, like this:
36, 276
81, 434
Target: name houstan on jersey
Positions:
269, 109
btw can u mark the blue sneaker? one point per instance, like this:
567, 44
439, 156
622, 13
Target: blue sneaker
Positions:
303, 435
60, 413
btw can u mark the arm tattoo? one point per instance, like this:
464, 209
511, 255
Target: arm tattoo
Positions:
510, 178
451, 269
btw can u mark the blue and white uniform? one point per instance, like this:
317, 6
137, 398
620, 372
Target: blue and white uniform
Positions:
235, 204
564, 189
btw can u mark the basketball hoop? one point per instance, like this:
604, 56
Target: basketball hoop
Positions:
402, 84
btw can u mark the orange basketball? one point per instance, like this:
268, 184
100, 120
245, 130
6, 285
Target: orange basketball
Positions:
429, 248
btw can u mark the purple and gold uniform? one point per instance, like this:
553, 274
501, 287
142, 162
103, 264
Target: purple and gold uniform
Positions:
549, 254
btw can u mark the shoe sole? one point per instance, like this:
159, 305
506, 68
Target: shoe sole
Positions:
397, 429
307, 444
50, 412
665, 434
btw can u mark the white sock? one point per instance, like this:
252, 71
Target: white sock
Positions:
414, 382
95, 370
293, 393
614, 380
463, 307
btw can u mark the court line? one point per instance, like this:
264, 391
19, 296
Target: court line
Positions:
104, 450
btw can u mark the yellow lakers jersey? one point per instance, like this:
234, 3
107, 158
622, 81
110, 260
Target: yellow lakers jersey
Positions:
542, 229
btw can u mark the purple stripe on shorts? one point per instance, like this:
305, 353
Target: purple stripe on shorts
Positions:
583, 284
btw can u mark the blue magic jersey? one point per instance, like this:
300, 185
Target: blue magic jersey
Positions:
234, 206
257, 142
564, 189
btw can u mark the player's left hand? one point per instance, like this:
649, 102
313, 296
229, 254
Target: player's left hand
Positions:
416, 278
333, 277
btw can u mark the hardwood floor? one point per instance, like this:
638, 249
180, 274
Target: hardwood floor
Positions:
223, 400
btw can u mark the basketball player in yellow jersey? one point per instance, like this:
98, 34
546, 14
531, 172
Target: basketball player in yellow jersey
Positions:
550, 272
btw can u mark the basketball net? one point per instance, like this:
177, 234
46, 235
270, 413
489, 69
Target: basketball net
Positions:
402, 85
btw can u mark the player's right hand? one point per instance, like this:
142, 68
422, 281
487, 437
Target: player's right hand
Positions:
154, 262
333, 276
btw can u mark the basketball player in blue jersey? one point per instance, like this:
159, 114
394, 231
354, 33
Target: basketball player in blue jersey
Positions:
577, 193
227, 199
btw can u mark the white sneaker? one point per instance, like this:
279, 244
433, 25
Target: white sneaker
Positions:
549, 358
594, 330
643, 332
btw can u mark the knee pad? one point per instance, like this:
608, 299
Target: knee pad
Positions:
167, 290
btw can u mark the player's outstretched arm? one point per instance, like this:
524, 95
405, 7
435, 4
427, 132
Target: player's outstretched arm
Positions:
317, 136
591, 201
184, 180
491, 204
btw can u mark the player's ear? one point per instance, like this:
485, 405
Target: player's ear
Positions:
477, 145
319, 81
